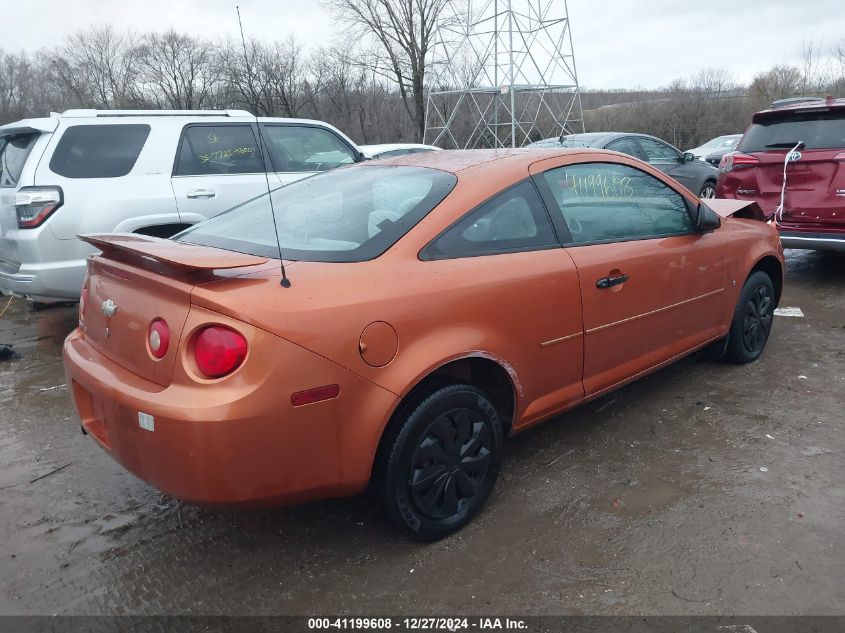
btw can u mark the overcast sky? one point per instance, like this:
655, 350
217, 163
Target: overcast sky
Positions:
618, 43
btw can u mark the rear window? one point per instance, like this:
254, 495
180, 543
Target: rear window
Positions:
818, 130
98, 151
347, 215
14, 150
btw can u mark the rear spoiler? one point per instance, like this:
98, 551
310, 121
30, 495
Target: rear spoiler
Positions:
29, 125
174, 254
736, 208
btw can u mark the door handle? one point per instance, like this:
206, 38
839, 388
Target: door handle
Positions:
201, 193
607, 282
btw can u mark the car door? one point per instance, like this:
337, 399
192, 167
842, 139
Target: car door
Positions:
670, 161
513, 292
217, 166
652, 288
299, 150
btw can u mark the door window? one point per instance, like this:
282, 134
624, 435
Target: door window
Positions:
625, 145
218, 149
296, 148
604, 202
513, 220
98, 151
658, 152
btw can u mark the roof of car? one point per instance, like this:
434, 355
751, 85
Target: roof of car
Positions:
594, 139
386, 147
802, 106
459, 160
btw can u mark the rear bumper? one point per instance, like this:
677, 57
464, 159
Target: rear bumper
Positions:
813, 241
60, 281
240, 444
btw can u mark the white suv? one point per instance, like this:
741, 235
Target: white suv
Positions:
148, 171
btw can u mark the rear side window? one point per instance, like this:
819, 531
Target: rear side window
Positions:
98, 151
206, 150
819, 130
625, 146
604, 202
14, 150
657, 152
514, 220
297, 148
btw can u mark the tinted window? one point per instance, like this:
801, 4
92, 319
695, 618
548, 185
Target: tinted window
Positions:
13, 152
348, 215
218, 149
626, 146
822, 130
657, 152
98, 151
606, 202
513, 220
299, 148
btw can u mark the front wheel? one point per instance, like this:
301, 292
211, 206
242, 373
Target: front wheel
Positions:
443, 463
753, 318
708, 190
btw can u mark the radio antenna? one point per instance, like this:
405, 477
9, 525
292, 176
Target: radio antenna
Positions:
266, 158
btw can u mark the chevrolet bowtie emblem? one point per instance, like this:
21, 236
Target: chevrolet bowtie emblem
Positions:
108, 307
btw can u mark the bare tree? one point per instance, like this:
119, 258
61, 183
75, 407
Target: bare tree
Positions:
402, 34
177, 71
100, 68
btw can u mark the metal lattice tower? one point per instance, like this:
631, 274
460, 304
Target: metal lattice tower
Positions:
503, 75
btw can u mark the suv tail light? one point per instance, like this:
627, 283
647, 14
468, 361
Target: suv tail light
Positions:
736, 160
219, 351
36, 204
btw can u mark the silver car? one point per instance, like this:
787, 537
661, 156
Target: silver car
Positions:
153, 172
695, 175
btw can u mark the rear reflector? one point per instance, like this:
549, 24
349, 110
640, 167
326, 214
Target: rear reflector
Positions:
318, 394
35, 204
219, 351
159, 338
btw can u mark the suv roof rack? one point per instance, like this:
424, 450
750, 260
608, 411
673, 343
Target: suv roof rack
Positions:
80, 113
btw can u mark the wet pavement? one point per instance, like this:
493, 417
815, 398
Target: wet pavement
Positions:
703, 489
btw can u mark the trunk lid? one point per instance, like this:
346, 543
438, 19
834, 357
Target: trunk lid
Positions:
16, 143
138, 279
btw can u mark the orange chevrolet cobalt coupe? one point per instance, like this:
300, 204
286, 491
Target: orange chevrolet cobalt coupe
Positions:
436, 304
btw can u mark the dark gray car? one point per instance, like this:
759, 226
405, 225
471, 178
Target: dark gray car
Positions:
695, 175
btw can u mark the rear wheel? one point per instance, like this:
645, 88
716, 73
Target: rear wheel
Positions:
752, 320
443, 463
708, 190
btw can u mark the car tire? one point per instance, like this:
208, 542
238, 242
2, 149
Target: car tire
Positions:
443, 462
708, 190
752, 321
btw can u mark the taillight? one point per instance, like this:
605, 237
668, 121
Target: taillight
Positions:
36, 204
159, 338
737, 160
219, 351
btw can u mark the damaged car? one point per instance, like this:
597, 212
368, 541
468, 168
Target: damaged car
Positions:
388, 325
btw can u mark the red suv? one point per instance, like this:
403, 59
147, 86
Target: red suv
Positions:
812, 134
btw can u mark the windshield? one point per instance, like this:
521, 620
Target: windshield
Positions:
818, 130
722, 141
584, 140
347, 215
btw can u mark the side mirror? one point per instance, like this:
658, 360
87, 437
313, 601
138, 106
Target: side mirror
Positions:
689, 157
706, 219
362, 157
